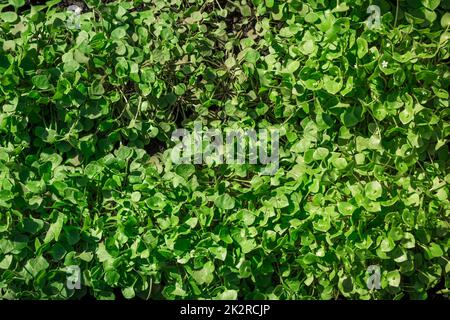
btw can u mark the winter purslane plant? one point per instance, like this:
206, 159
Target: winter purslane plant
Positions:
92, 202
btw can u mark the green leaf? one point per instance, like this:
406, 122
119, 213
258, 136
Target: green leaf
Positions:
185, 170
346, 208
373, 190
431, 4
55, 229
292, 66
128, 293
434, 251
219, 252
121, 67
58, 251
340, 163
136, 196
225, 201
97, 89
351, 117
112, 277
180, 89
252, 56
32, 225
196, 16
445, 20
408, 241
156, 202
311, 17
307, 47
93, 169
227, 295
320, 153
102, 254
118, 33
36, 265
247, 245
8, 16
269, 3
279, 201
6, 262
71, 65
406, 115
17, 3
362, 47
393, 278
41, 82
387, 245
332, 86
204, 275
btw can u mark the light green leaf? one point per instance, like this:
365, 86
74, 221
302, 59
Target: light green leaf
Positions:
55, 229
393, 278
445, 20
224, 201
373, 190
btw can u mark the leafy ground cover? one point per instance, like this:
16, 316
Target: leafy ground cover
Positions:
88, 103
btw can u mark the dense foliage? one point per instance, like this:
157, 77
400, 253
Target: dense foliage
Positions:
88, 105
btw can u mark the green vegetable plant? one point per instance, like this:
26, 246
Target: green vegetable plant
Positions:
88, 102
